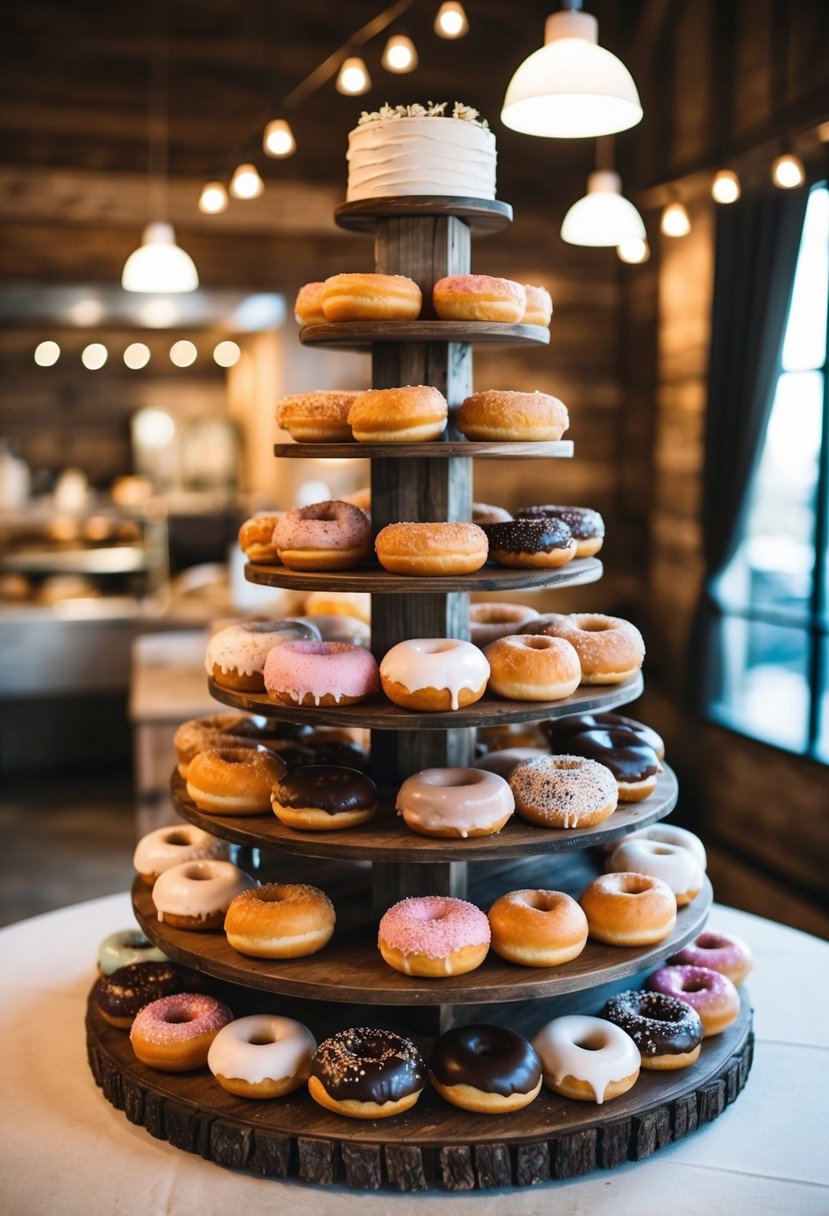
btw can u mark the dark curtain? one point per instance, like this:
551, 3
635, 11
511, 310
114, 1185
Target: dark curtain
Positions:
756, 253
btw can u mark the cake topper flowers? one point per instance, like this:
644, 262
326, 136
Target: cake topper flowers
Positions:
432, 109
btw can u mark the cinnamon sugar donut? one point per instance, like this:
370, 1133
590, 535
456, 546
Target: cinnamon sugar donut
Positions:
531, 543
563, 791
308, 305
328, 535
532, 669
502, 414
489, 621
234, 780
427, 549
320, 417
479, 297
537, 928
539, 310
610, 649
256, 539
415, 413
371, 297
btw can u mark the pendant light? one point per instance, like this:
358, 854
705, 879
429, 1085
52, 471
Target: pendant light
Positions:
353, 78
675, 220
604, 216
246, 182
400, 54
451, 20
788, 172
278, 139
725, 187
571, 88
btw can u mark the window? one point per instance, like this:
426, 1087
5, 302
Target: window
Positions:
772, 599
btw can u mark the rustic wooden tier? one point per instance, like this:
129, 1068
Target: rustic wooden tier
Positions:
374, 579
362, 335
480, 215
440, 449
434, 1144
387, 838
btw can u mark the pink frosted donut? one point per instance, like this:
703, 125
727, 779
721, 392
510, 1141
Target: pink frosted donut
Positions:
721, 952
714, 997
320, 673
174, 1034
479, 297
329, 535
434, 936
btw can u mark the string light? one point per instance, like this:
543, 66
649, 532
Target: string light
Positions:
633, 250
788, 171
136, 356
227, 353
451, 21
353, 78
400, 54
94, 356
725, 187
675, 221
278, 139
47, 354
213, 198
246, 182
183, 353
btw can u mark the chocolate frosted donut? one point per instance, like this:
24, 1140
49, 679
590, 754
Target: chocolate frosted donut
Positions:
530, 542
485, 1068
667, 1031
122, 994
367, 1073
632, 763
586, 524
323, 797
560, 730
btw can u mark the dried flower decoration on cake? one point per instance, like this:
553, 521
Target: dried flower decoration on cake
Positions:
430, 110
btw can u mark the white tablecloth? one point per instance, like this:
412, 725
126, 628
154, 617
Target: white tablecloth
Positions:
65, 1150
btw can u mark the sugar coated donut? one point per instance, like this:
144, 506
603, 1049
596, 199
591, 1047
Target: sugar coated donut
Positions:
234, 780
563, 791
338, 628
722, 952
713, 995
320, 673
586, 525
490, 621
256, 539
431, 549
455, 802
127, 946
488, 1069
673, 864
196, 894
280, 920
586, 1058
174, 1034
537, 928
667, 1032
531, 543
119, 996
320, 417
236, 655
371, 297
539, 309
629, 909
503, 414
166, 847
485, 513
366, 1073
633, 763
308, 304
505, 759
413, 414
558, 730
433, 936
434, 674
324, 798
610, 649
479, 297
669, 833
339, 603
325, 536
262, 1056
532, 668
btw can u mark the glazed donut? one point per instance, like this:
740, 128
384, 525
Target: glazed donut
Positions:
523, 670
588, 1059
198, 734
366, 1073
490, 621
563, 792
610, 649
531, 543
174, 1034
339, 628
502, 414
256, 539
433, 936
434, 674
632, 763
324, 798
713, 995
119, 996
371, 297
629, 909
324, 536
539, 310
263, 1056
559, 730
586, 525
484, 513
722, 952
320, 417
124, 947
339, 603
431, 549
479, 297
414, 414
166, 847
668, 833
236, 655
196, 894
280, 920
234, 780
503, 761
673, 864
320, 673
455, 802
488, 1069
308, 304
537, 928
667, 1032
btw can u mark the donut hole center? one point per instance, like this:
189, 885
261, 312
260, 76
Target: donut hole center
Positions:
178, 1019
537, 643
270, 897
198, 876
176, 836
661, 850
591, 1042
695, 986
136, 941
595, 627
634, 884
261, 1039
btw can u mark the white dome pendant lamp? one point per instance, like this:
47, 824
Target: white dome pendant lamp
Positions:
604, 216
572, 88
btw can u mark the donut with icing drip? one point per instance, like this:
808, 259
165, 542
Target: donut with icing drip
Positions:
236, 655
434, 674
563, 791
586, 1058
320, 673
673, 864
166, 847
196, 894
324, 797
455, 802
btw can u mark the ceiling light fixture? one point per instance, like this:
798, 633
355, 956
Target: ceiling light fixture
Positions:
633, 250
213, 198
726, 187
94, 356
246, 182
47, 354
675, 220
604, 216
278, 139
400, 54
788, 171
183, 353
136, 356
353, 78
451, 20
227, 353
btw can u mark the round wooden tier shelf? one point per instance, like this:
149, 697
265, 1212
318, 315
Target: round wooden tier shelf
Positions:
351, 968
482, 215
442, 449
433, 1144
387, 838
374, 578
360, 335
378, 713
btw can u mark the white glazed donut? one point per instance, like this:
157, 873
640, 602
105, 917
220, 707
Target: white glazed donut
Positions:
167, 847
455, 802
587, 1058
263, 1056
668, 833
674, 865
196, 894
434, 674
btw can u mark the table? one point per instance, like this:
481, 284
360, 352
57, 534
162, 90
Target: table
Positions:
67, 1151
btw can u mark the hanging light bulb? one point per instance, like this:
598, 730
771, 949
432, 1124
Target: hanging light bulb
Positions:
159, 265
353, 78
400, 54
726, 187
451, 21
603, 216
47, 354
213, 198
675, 221
788, 171
633, 250
246, 182
278, 139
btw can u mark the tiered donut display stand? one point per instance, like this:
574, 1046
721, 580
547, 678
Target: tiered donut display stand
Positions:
367, 869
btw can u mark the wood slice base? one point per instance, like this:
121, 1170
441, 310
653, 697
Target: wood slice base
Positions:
432, 1145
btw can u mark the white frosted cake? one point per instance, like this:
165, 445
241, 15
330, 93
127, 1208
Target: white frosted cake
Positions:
416, 149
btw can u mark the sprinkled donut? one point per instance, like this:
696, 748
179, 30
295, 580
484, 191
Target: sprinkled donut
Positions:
667, 1032
610, 649
122, 994
433, 936
531, 543
588, 1059
124, 947
722, 952
431, 549
714, 997
563, 791
236, 655
174, 1034
263, 1056
674, 865
586, 525
324, 536
455, 802
320, 673
488, 1069
366, 1073
166, 847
